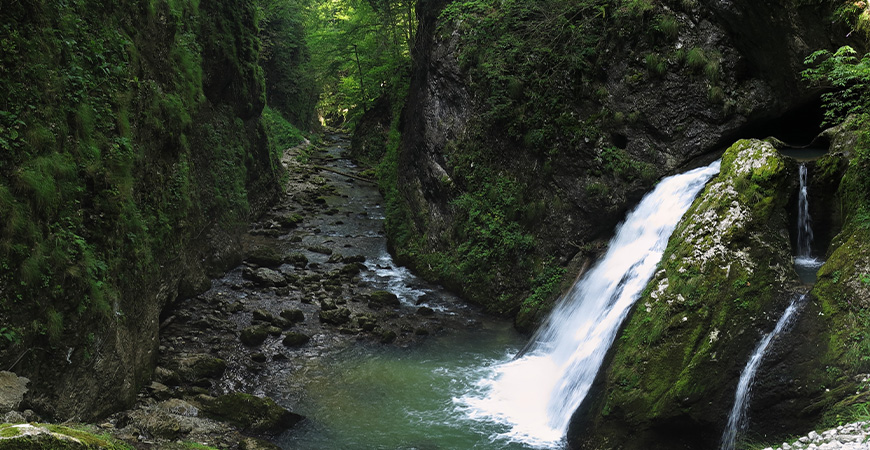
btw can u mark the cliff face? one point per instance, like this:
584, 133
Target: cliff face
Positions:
532, 127
132, 155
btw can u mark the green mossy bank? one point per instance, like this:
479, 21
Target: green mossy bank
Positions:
132, 154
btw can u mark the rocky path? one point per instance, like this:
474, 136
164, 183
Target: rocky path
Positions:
316, 278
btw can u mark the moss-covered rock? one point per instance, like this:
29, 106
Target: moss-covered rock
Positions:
379, 299
724, 278
251, 413
54, 437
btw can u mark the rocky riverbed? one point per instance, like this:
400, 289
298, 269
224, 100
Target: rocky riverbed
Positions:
316, 278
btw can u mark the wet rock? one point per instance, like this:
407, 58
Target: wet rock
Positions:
265, 257
421, 332
352, 269
12, 390
249, 443
354, 259
425, 311
378, 299
294, 339
320, 249
293, 315
263, 315
296, 259
258, 357
267, 277
338, 316
198, 366
386, 336
327, 305
273, 330
254, 414
367, 322
254, 335
159, 391
291, 221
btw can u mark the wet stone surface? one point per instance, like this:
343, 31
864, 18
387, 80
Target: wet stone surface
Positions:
317, 279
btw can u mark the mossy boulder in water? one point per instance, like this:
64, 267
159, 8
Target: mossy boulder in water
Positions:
251, 413
725, 277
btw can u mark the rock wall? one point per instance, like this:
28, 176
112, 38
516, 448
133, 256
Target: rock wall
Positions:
133, 155
541, 161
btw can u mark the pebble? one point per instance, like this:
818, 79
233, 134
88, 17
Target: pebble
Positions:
853, 436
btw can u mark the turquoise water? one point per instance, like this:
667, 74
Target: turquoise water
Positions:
382, 397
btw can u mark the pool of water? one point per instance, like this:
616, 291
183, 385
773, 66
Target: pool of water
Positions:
382, 397
804, 154
807, 268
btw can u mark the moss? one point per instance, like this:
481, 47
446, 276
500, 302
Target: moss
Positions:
250, 413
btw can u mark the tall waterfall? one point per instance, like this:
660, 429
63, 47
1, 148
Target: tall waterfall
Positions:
535, 394
805, 265
804, 231
736, 420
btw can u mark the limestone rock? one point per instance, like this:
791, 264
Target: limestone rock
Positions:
12, 390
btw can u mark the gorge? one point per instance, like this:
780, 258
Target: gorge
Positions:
525, 242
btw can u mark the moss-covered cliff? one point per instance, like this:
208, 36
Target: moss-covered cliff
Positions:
531, 127
132, 153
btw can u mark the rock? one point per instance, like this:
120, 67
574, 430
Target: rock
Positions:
378, 299
387, 336
265, 257
51, 437
367, 322
195, 367
253, 414
254, 335
166, 376
335, 316
249, 443
12, 390
258, 357
159, 391
351, 270
263, 315
354, 259
327, 305
268, 277
291, 221
320, 249
293, 315
425, 311
297, 259
294, 339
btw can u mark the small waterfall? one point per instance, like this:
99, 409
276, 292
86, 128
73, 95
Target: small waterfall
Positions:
736, 420
535, 394
805, 230
805, 265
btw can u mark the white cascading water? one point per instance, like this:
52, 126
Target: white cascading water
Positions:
804, 262
736, 420
535, 394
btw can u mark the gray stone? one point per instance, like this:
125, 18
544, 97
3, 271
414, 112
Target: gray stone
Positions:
12, 390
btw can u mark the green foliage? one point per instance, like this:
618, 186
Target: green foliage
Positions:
655, 64
616, 161
282, 134
668, 26
696, 59
848, 75
360, 51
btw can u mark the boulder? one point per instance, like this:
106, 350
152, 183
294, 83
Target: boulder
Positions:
194, 367
294, 339
267, 277
293, 315
254, 335
12, 390
251, 413
265, 257
335, 316
378, 299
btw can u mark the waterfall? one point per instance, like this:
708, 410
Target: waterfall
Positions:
736, 420
535, 394
805, 265
804, 231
